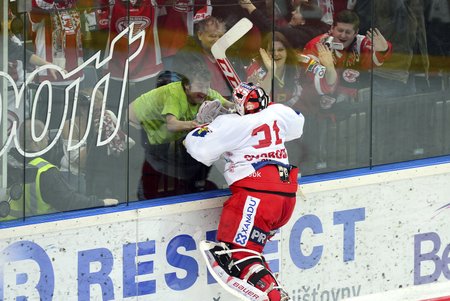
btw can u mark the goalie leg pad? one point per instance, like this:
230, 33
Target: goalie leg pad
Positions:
247, 278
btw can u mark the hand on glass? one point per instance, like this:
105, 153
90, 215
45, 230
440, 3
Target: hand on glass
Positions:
325, 55
266, 58
378, 41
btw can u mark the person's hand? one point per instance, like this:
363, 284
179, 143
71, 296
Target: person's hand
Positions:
266, 59
193, 124
244, 2
325, 55
378, 41
110, 202
247, 5
297, 19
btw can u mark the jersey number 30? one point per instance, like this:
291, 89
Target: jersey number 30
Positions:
267, 130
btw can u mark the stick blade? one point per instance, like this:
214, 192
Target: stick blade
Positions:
230, 37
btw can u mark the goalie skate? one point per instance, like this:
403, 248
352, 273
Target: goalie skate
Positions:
217, 256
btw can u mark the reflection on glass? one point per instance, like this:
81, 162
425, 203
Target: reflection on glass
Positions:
369, 95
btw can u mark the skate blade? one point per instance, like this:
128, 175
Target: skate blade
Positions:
235, 286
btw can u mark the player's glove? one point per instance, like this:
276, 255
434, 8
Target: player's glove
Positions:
209, 110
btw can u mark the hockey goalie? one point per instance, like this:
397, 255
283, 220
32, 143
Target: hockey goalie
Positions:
263, 186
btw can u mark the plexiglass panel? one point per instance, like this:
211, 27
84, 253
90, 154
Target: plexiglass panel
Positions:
98, 95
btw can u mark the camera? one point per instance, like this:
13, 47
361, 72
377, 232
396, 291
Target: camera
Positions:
329, 42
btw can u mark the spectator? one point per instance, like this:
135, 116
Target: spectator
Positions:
198, 49
49, 192
263, 186
56, 35
303, 31
286, 85
351, 54
166, 114
277, 60
327, 93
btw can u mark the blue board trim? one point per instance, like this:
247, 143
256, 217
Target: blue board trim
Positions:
120, 208
374, 170
219, 193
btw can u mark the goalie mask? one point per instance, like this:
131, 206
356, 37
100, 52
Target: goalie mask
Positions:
249, 98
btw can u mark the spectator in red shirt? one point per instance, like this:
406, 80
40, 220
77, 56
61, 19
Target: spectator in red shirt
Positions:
346, 55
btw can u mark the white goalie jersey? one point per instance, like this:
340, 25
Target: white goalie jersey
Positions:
246, 141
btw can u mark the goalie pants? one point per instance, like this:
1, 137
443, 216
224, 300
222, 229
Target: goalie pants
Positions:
250, 215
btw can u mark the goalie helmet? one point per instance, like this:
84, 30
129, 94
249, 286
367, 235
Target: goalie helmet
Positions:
249, 98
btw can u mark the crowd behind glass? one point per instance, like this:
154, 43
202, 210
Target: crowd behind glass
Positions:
88, 82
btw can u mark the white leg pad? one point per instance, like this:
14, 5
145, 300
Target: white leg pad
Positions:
238, 287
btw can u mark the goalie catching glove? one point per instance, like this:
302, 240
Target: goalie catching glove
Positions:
209, 110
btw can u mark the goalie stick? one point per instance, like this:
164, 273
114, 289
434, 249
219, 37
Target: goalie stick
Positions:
221, 45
